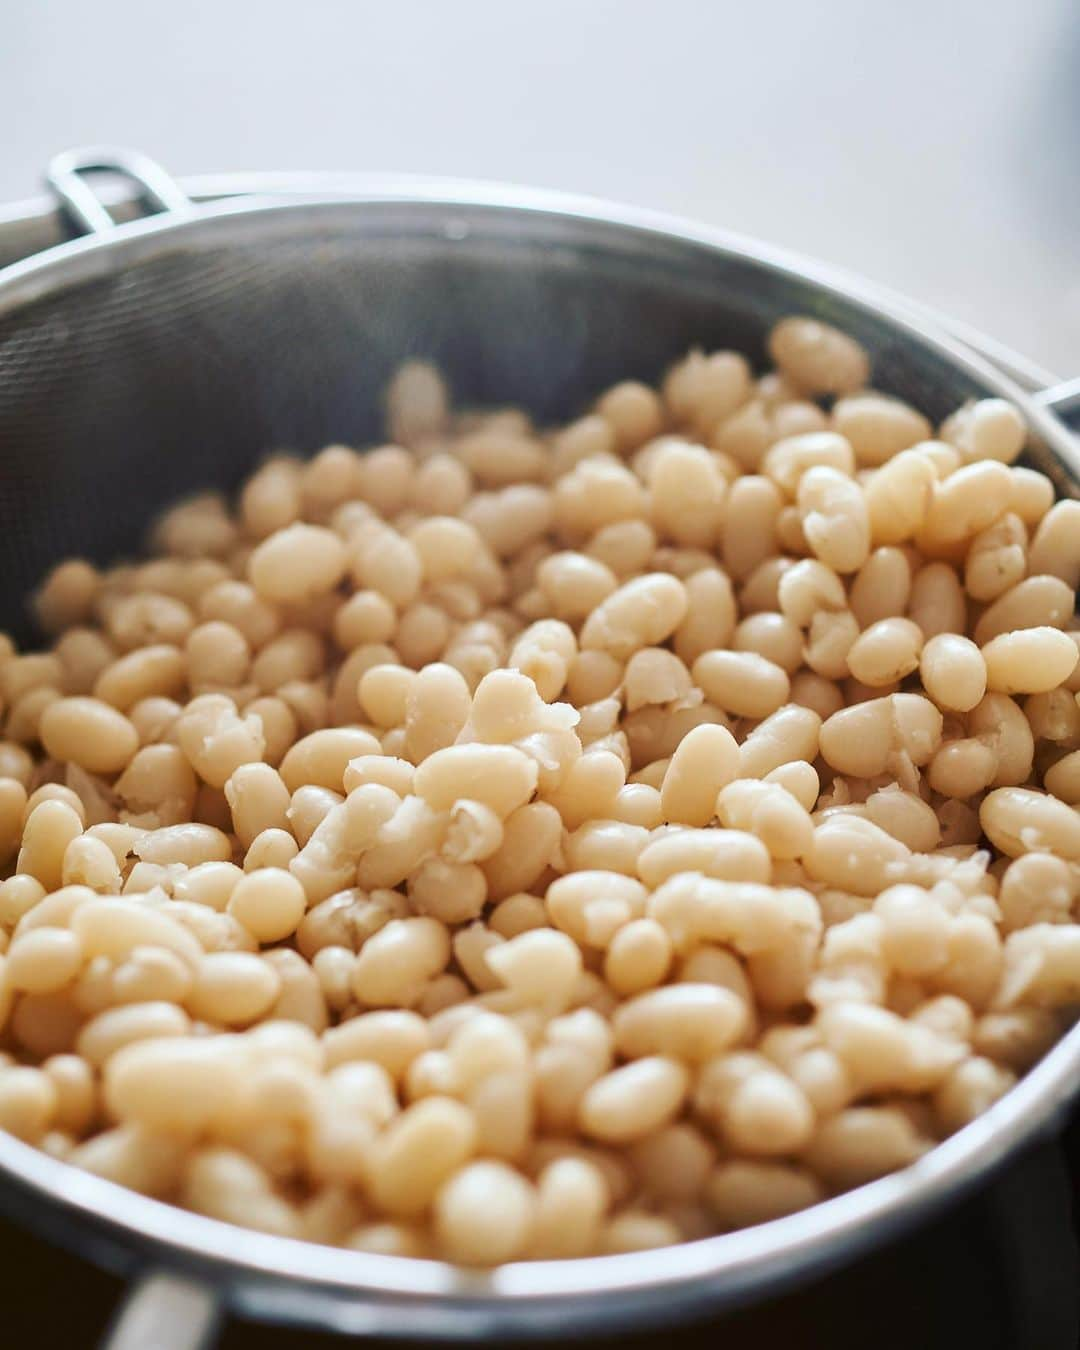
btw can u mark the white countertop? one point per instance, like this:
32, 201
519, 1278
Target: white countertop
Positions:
933, 145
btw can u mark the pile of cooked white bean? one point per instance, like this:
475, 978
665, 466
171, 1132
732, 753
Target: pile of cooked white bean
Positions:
512, 843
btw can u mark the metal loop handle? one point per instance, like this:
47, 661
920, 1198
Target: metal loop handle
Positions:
65, 177
165, 1312
1062, 399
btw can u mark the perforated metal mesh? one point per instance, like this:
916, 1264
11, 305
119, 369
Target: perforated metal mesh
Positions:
204, 349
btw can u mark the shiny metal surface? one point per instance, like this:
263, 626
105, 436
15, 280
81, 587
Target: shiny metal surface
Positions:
169, 354
66, 174
930, 146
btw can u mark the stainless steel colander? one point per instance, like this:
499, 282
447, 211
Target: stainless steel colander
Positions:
149, 359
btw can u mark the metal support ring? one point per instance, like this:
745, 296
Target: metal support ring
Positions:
1062, 399
65, 177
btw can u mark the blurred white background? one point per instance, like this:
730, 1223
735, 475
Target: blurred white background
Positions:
933, 147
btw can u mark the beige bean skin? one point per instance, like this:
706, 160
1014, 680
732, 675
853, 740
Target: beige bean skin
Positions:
1028, 661
906, 817
50, 828
703, 389
886, 651
722, 731
595, 494
800, 779
20, 675
1032, 495
962, 768
397, 962
43, 961
1040, 601
742, 683
937, 602
641, 613
16, 762
789, 459
862, 739
639, 804
1054, 716
67, 595
1063, 779
898, 497
102, 1036
633, 1101
997, 559
638, 957
233, 988
269, 903
1053, 549
862, 1143
84, 654
574, 584
853, 854
808, 588
606, 845
878, 427
654, 676
485, 1214
173, 1084
1019, 820
882, 587
531, 839
150, 671
885, 1052
113, 926
814, 691
753, 1106
1001, 724
744, 1193
625, 546
322, 757
731, 854
772, 813
753, 506
790, 734
710, 614
687, 494
297, 563
966, 502
271, 497
88, 732
55, 792
426, 1144
189, 844
817, 357
834, 518
436, 708
772, 636
953, 672
498, 776
705, 759
686, 1021
634, 413
12, 811
258, 799
1016, 1039
761, 589
988, 429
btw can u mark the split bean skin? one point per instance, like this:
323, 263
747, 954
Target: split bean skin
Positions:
516, 842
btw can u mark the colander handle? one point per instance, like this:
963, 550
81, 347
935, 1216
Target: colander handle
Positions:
1063, 400
66, 177
166, 1312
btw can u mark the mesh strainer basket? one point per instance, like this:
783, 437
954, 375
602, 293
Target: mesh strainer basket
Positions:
149, 359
